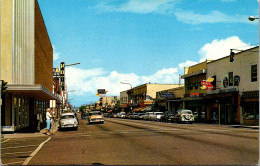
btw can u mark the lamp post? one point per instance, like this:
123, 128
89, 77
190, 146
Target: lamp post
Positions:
128, 94
252, 18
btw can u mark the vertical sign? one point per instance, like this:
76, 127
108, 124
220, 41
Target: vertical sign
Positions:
62, 75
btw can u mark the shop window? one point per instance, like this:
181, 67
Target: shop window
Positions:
251, 110
230, 78
253, 73
191, 86
196, 85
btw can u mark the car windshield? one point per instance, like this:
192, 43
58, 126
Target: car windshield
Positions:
67, 117
94, 113
186, 112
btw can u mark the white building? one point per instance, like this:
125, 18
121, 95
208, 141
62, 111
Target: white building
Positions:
236, 96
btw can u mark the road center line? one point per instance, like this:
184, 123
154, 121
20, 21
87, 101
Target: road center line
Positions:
35, 152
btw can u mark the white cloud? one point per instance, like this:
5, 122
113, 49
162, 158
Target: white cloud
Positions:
55, 53
188, 63
221, 48
86, 82
138, 6
191, 17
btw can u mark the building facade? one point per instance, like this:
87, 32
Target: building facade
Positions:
26, 64
170, 100
145, 95
236, 97
194, 95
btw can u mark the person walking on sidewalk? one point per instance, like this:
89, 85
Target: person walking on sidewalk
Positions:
53, 121
48, 121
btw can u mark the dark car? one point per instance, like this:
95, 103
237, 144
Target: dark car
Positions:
169, 117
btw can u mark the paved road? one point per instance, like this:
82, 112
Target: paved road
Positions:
124, 142
121, 141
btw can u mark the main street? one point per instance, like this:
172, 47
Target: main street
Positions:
124, 142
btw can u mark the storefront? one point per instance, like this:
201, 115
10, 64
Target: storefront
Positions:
195, 103
223, 106
20, 105
250, 107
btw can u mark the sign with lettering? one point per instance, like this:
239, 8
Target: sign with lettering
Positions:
236, 80
101, 91
206, 84
225, 82
227, 90
62, 76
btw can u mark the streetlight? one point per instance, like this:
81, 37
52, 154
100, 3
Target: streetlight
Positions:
252, 18
73, 64
126, 83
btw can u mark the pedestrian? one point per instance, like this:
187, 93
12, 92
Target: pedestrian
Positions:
53, 121
39, 119
48, 121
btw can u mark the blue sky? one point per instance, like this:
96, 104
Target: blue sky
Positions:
141, 41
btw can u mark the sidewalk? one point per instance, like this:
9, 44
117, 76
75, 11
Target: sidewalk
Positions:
21, 134
245, 126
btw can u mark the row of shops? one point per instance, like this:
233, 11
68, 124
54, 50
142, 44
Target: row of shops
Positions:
217, 91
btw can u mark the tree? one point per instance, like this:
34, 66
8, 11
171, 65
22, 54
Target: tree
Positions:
82, 108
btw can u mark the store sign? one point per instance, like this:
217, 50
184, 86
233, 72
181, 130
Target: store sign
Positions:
148, 102
52, 103
227, 90
206, 84
62, 76
101, 91
166, 94
236, 80
225, 82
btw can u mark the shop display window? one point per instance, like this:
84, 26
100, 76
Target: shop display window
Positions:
251, 111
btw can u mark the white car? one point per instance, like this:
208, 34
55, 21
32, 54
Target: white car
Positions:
156, 116
184, 116
68, 120
147, 115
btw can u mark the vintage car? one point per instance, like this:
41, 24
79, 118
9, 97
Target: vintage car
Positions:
95, 117
68, 120
184, 116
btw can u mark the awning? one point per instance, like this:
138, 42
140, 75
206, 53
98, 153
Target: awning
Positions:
34, 91
138, 109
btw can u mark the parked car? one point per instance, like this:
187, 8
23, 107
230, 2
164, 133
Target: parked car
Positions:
133, 116
147, 115
68, 120
121, 114
168, 117
157, 116
140, 116
95, 117
128, 115
184, 116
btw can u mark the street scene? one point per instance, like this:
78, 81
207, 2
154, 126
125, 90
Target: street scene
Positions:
122, 141
129, 82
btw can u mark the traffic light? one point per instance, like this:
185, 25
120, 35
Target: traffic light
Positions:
231, 56
3, 87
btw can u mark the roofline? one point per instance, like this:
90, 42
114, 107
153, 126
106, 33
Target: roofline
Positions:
234, 54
